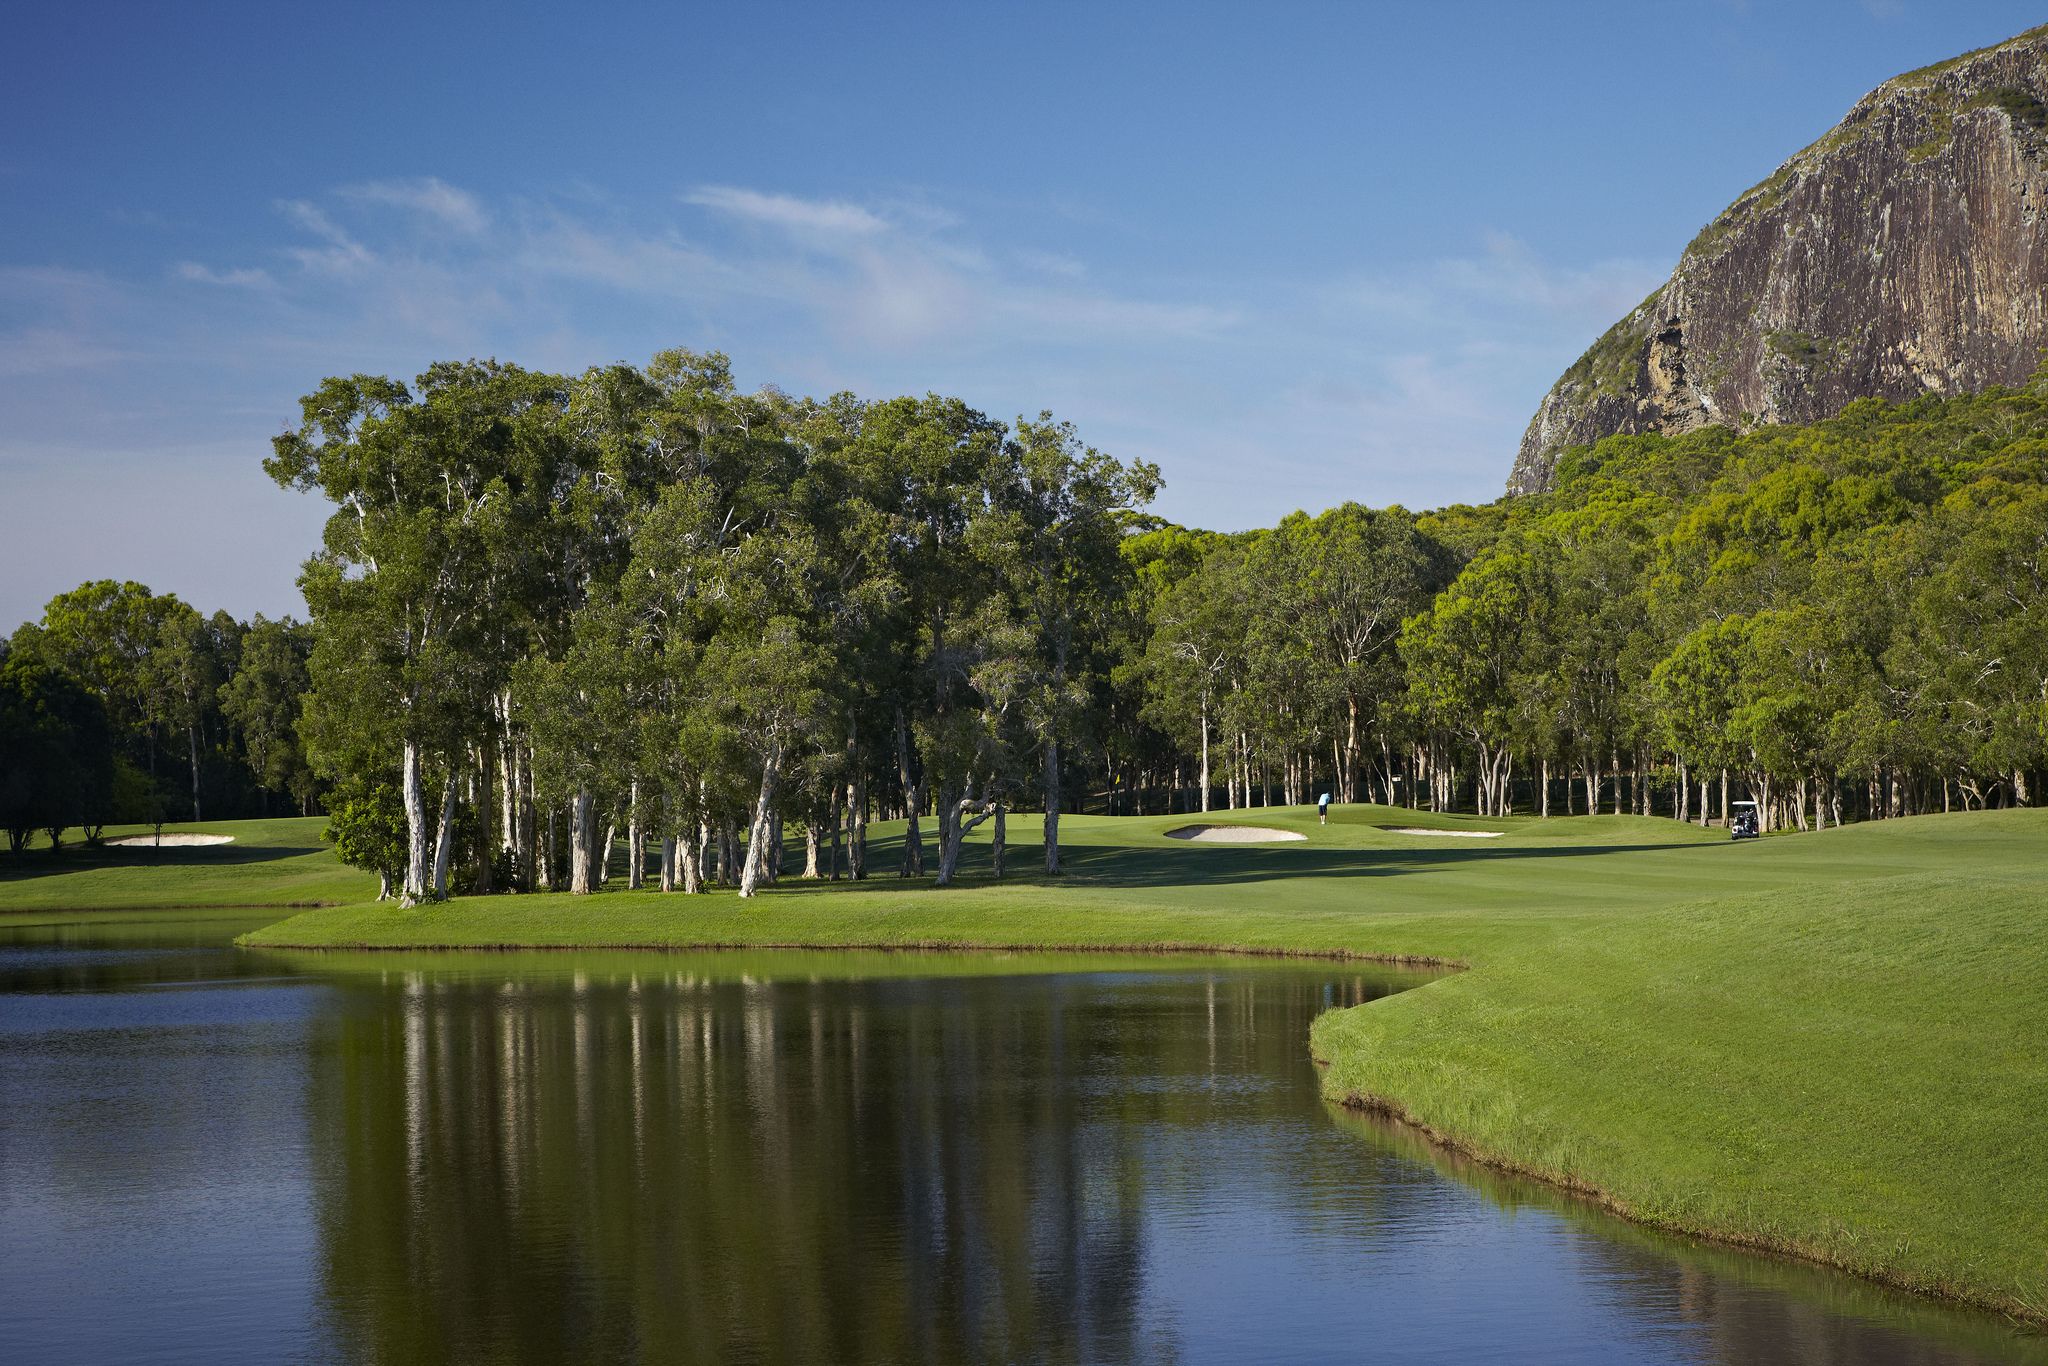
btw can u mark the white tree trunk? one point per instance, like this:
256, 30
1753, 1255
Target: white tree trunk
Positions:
1205, 754
687, 855
445, 839
582, 834
758, 834
418, 846
508, 798
636, 842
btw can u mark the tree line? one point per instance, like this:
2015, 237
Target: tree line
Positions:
126, 706
1842, 621
551, 614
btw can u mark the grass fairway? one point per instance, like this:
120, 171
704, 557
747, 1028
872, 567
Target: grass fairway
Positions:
279, 863
1834, 1045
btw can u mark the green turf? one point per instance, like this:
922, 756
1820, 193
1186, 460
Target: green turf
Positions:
1832, 1044
271, 863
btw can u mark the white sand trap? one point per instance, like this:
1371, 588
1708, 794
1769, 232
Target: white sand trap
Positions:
1233, 834
1444, 834
171, 841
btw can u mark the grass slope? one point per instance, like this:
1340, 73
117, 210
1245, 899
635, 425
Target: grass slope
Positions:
1834, 1045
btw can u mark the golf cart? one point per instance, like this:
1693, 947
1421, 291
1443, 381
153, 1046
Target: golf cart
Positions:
1742, 821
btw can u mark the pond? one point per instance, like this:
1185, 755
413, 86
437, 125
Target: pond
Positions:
215, 1155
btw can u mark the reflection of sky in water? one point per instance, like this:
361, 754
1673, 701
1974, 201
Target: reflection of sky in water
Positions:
702, 1156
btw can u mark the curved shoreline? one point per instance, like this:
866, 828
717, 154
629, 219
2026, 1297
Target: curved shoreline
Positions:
1152, 947
1448, 1141
1605, 1201
1791, 1049
1381, 1107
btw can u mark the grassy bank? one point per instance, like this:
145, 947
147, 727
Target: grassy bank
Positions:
1834, 1045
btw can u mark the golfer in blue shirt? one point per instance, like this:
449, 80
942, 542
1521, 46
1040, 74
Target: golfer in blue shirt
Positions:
1323, 808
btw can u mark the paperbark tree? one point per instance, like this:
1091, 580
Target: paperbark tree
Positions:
441, 501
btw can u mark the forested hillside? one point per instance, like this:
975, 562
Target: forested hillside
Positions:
552, 614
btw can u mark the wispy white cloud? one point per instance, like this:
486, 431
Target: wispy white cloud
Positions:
901, 282
830, 216
1408, 381
429, 196
340, 254
246, 277
661, 264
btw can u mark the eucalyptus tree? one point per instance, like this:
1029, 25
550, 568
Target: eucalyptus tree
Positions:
1056, 537
1198, 627
1803, 669
1978, 631
264, 699
924, 467
764, 669
106, 634
666, 612
849, 500
186, 669
574, 708
443, 500
1591, 629
1336, 588
1462, 655
1694, 696
1159, 555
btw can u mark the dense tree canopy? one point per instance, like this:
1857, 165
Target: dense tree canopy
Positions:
200, 713
550, 611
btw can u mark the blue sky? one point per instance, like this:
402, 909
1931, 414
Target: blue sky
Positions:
1293, 253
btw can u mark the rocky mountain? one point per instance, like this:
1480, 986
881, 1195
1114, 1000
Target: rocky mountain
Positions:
1904, 253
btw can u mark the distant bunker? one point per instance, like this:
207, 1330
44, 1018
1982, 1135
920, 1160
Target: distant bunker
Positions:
1233, 834
1444, 834
169, 841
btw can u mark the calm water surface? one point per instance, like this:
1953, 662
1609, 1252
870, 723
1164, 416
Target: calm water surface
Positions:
212, 1155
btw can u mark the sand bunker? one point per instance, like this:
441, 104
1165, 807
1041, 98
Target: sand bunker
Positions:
171, 841
1233, 834
1444, 834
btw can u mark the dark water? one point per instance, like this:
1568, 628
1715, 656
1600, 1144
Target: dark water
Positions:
209, 1155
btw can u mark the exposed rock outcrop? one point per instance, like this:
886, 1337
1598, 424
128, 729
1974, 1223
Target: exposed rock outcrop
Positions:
1904, 253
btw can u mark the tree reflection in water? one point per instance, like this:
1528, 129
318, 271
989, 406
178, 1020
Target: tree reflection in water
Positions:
858, 1158
693, 1165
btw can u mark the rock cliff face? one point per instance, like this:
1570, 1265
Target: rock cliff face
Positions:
1904, 253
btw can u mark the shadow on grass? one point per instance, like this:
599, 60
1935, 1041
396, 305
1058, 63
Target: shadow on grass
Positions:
1195, 865
77, 858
